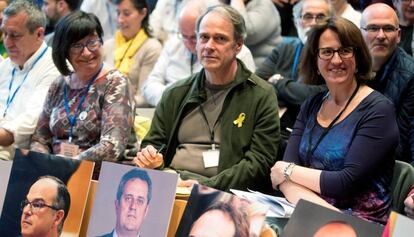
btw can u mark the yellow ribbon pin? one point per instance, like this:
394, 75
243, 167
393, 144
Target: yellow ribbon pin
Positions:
240, 120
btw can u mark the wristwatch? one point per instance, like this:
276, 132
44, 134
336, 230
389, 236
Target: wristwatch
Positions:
288, 171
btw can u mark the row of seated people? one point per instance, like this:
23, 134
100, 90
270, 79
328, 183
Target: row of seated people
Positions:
220, 126
132, 17
177, 59
134, 51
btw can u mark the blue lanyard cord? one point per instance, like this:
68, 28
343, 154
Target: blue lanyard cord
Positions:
72, 118
295, 63
11, 96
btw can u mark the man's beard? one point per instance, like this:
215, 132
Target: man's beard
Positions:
303, 34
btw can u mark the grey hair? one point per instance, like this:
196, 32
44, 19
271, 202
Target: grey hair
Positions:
230, 13
297, 9
36, 18
196, 6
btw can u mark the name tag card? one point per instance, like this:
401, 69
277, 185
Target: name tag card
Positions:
68, 149
211, 158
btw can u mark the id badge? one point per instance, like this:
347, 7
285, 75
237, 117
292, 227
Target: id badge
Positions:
211, 158
68, 149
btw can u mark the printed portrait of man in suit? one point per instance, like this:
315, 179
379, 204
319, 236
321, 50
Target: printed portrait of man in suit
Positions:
132, 202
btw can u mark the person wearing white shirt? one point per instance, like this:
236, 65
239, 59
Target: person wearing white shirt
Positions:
163, 20
25, 75
263, 26
344, 9
105, 10
178, 58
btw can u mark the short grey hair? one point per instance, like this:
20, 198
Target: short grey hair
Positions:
196, 6
231, 14
36, 18
297, 9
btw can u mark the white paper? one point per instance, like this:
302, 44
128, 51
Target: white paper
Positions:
278, 206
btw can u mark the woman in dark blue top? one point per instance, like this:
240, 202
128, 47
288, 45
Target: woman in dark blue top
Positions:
340, 153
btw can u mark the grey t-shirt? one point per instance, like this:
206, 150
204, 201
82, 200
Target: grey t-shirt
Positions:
194, 134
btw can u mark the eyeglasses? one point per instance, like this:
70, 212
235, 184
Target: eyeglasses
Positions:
309, 17
129, 199
376, 28
91, 45
36, 205
187, 37
343, 52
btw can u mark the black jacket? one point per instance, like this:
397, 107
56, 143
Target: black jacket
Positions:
395, 80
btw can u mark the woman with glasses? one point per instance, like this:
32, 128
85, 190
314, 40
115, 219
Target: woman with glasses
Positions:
340, 153
133, 51
87, 114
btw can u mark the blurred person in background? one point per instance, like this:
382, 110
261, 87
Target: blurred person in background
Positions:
263, 26
54, 10
133, 51
3, 52
105, 10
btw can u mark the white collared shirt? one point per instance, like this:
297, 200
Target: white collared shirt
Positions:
105, 10
24, 110
351, 14
114, 234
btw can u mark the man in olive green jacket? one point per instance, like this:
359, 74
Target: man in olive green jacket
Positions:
221, 125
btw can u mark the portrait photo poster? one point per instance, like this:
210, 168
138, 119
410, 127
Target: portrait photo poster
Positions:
26, 169
155, 224
398, 226
303, 222
248, 215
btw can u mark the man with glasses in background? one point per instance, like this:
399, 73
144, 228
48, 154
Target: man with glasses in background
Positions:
132, 203
45, 208
281, 68
393, 71
25, 75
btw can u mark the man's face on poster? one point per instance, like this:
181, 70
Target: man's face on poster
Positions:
40, 217
213, 223
132, 207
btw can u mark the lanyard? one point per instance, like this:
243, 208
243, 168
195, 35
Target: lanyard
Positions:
310, 149
72, 118
11, 96
295, 63
211, 131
